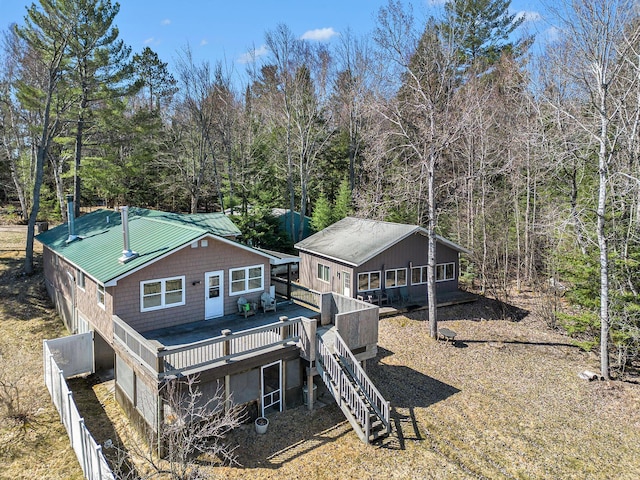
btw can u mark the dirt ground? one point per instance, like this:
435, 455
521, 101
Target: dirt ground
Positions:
502, 401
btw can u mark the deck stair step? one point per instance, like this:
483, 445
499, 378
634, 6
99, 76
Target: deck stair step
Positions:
362, 404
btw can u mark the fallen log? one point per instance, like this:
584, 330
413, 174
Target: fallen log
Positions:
589, 375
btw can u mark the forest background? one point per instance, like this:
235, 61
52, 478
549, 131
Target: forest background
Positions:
450, 122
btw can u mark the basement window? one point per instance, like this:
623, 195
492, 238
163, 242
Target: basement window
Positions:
162, 293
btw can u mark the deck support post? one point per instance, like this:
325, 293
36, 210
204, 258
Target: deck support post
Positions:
309, 389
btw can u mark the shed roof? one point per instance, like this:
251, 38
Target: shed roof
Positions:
153, 234
354, 241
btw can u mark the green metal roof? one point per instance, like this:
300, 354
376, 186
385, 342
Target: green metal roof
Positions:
152, 234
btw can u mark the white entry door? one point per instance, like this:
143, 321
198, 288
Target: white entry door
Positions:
213, 294
346, 284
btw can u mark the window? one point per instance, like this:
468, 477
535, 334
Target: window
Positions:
246, 279
419, 275
395, 278
445, 271
368, 281
100, 295
80, 280
323, 272
163, 293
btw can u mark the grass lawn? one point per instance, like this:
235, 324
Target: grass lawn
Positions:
503, 401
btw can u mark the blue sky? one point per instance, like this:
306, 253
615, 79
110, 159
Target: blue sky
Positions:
227, 30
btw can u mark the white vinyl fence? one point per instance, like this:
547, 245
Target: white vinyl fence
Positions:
65, 357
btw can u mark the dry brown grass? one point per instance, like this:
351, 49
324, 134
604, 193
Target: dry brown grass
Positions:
504, 401
38, 447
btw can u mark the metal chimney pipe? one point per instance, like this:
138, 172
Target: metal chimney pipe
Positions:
127, 253
71, 220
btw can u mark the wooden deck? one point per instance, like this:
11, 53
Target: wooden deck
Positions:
444, 300
205, 329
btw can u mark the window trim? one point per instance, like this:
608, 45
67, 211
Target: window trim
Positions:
422, 268
101, 291
395, 272
325, 269
369, 289
246, 280
444, 266
163, 293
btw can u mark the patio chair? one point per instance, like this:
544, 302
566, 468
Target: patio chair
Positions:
245, 308
404, 295
268, 302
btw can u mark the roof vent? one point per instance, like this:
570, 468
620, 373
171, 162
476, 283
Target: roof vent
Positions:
71, 220
127, 253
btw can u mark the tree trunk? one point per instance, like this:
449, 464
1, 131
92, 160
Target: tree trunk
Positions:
431, 258
78, 156
602, 239
43, 147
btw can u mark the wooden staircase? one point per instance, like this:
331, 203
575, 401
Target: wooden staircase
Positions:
360, 401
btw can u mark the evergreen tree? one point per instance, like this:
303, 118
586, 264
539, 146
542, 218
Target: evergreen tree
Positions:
154, 78
101, 68
322, 215
342, 205
481, 31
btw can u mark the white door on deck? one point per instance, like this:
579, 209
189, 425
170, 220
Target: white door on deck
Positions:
346, 284
213, 294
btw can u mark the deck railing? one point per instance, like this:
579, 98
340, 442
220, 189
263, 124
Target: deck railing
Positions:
229, 346
163, 361
298, 292
138, 346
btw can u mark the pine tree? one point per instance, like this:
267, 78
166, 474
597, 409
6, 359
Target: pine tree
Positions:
322, 215
481, 30
342, 206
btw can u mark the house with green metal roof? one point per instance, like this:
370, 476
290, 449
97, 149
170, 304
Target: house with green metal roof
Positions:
170, 296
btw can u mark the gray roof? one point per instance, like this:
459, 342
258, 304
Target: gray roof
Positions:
354, 241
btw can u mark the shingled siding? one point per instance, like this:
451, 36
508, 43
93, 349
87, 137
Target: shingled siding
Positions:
193, 263
61, 279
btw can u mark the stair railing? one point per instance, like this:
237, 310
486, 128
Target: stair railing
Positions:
380, 405
345, 393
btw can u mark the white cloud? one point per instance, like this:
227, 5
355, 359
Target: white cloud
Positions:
149, 40
319, 34
529, 16
203, 42
166, 21
253, 55
553, 34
